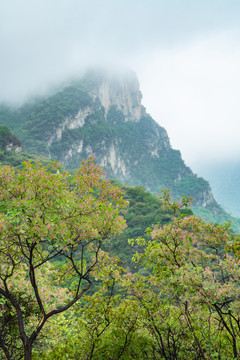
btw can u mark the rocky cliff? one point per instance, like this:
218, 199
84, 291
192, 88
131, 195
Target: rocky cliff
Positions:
8, 141
121, 92
102, 114
12, 152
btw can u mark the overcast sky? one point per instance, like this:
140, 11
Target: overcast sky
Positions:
186, 55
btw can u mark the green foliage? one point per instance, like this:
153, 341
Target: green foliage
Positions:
16, 159
141, 146
144, 210
52, 226
191, 186
8, 156
33, 123
140, 150
52, 111
6, 138
8, 116
115, 116
178, 299
190, 299
186, 305
102, 327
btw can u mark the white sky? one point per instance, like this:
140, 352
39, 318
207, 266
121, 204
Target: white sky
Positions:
186, 54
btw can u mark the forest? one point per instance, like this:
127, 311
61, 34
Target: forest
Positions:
92, 269
71, 123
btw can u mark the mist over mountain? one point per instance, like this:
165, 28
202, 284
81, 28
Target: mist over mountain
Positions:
102, 114
224, 178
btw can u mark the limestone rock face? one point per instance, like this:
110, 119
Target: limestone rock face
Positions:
205, 199
14, 147
8, 141
102, 114
122, 93
71, 122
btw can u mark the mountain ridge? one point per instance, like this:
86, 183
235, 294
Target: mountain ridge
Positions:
102, 114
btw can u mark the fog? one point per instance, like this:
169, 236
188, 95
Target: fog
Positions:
186, 55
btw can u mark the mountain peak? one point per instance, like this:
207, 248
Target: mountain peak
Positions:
102, 114
117, 89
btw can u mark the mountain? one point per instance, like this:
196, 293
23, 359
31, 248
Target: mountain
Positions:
8, 141
225, 179
12, 152
102, 114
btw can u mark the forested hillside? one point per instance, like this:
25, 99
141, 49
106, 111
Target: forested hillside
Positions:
102, 114
92, 269
141, 285
63, 295
12, 152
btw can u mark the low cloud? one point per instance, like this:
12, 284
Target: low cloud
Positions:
186, 55
196, 97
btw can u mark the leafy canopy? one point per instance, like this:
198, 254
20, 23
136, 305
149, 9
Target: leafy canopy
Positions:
52, 225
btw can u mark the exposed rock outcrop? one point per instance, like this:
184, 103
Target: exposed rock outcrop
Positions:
120, 92
71, 122
102, 114
8, 141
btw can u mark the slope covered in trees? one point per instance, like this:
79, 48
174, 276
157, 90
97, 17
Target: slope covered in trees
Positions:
183, 304
102, 114
71, 286
12, 152
177, 298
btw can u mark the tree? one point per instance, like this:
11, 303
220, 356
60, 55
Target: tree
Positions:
52, 225
190, 294
101, 326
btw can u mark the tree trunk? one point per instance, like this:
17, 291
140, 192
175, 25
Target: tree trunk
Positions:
28, 351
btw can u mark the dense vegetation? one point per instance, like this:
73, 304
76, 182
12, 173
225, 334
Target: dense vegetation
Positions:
184, 305
9, 143
42, 125
33, 123
178, 299
74, 282
7, 137
37, 124
171, 292
52, 225
144, 210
